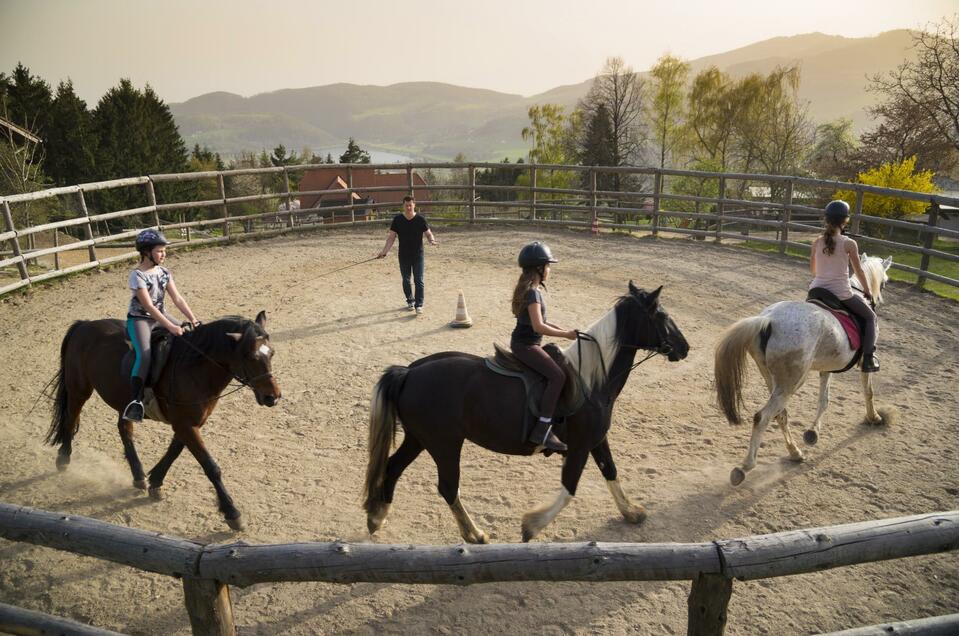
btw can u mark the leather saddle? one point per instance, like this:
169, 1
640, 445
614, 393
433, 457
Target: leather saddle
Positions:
852, 324
571, 399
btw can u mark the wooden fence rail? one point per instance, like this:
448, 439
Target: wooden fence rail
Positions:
209, 570
464, 202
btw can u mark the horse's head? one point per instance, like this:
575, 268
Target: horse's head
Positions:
877, 274
252, 360
646, 325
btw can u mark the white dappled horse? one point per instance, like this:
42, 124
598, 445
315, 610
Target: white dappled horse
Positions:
787, 340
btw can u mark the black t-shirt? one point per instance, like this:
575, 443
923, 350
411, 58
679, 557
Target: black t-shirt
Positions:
523, 333
410, 233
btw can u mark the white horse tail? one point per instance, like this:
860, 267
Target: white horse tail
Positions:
730, 363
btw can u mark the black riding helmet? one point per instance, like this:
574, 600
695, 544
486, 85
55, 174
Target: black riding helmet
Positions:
535, 254
836, 212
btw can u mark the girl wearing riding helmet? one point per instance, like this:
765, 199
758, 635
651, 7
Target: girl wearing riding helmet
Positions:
830, 258
529, 307
149, 283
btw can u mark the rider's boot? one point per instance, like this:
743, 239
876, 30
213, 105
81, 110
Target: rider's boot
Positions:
134, 410
543, 435
870, 363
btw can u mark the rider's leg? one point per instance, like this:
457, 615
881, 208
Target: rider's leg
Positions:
139, 332
859, 307
538, 360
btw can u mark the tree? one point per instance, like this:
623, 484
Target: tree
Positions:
21, 159
904, 129
712, 109
776, 124
833, 156
931, 81
596, 147
901, 175
621, 91
279, 159
497, 177
549, 131
71, 141
28, 99
667, 108
354, 154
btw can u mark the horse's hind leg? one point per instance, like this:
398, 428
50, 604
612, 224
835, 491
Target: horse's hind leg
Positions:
448, 469
130, 452
397, 463
76, 397
604, 459
812, 435
772, 408
158, 472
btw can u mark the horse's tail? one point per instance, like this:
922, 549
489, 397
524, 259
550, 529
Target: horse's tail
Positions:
730, 362
61, 429
382, 431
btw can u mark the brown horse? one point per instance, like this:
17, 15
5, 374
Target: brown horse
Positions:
446, 398
200, 366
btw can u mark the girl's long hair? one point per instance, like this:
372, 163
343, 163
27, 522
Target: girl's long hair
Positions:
529, 279
829, 237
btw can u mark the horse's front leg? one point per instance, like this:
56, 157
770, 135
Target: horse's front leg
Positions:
538, 518
130, 452
190, 436
604, 459
871, 416
812, 435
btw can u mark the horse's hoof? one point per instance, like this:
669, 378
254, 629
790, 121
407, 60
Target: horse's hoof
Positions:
796, 456
810, 437
527, 535
737, 476
140, 484
479, 539
636, 514
236, 524
63, 461
156, 493
376, 519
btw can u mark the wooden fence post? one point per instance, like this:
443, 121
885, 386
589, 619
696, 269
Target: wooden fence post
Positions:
472, 172
927, 243
210, 608
226, 211
721, 209
857, 213
289, 197
532, 193
657, 191
151, 200
15, 242
88, 228
787, 215
593, 200
707, 603
349, 193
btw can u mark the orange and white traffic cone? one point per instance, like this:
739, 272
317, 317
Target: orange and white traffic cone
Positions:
462, 319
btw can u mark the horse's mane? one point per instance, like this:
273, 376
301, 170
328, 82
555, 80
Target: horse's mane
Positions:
211, 338
872, 267
609, 332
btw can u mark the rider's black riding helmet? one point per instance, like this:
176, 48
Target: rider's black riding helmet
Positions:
836, 212
535, 254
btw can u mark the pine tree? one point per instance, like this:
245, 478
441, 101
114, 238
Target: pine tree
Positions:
71, 142
354, 154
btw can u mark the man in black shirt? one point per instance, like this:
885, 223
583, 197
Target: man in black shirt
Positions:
410, 228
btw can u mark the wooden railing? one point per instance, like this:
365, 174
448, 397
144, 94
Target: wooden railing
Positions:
207, 571
793, 205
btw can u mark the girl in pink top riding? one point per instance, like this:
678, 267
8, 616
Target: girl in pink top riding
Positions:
830, 258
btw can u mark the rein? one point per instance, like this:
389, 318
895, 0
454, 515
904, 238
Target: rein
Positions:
582, 335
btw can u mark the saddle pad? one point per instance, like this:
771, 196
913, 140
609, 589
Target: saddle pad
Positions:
848, 323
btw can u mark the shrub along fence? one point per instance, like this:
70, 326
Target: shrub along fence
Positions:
207, 571
212, 207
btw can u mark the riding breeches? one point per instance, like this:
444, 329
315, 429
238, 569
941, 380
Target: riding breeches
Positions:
859, 307
534, 357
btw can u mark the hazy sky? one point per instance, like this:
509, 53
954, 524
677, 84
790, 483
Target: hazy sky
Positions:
187, 48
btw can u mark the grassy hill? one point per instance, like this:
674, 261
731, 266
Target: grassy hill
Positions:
435, 121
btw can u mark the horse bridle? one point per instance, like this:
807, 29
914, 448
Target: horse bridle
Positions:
663, 348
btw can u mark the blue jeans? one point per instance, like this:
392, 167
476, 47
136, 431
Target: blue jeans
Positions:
413, 265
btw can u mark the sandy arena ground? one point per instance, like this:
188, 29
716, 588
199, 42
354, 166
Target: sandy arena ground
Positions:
296, 470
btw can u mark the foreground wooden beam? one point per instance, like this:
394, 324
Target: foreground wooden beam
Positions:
16, 620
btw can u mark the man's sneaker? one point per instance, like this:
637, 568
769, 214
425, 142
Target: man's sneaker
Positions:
133, 411
409, 305
419, 310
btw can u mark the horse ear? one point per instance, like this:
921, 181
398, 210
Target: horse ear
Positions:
653, 297
235, 336
632, 288
887, 262
863, 257
261, 319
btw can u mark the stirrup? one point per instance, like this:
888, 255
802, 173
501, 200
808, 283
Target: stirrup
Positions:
134, 411
549, 441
